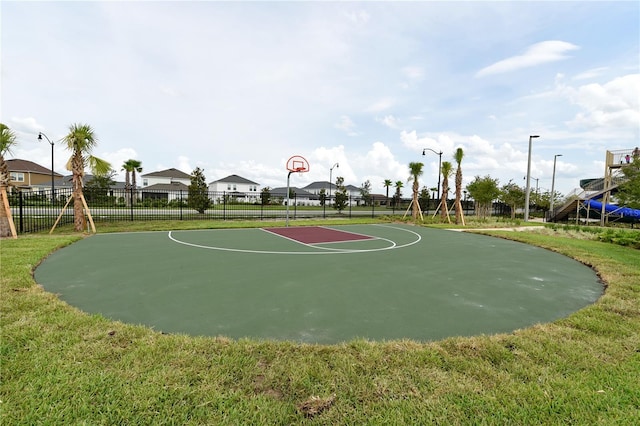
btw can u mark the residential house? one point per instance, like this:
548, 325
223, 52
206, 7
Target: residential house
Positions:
29, 176
353, 192
169, 185
236, 187
301, 197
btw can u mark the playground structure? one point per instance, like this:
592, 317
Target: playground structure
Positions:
584, 203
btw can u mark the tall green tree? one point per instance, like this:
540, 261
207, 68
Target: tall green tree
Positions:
130, 167
341, 197
446, 170
484, 191
81, 140
8, 140
458, 156
512, 195
199, 192
387, 183
415, 171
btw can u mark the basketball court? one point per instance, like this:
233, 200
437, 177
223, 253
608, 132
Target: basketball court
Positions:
324, 284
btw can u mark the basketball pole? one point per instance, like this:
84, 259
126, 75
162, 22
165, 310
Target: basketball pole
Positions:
288, 176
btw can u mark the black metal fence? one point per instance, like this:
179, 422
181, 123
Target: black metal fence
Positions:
35, 211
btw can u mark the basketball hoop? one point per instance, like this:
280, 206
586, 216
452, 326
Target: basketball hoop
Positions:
295, 164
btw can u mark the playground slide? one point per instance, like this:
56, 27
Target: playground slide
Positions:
611, 208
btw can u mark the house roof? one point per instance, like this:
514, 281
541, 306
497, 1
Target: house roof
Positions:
170, 173
319, 185
234, 179
282, 192
173, 186
25, 166
67, 181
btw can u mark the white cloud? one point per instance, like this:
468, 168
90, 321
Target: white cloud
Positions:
390, 121
381, 105
615, 104
346, 125
592, 73
537, 54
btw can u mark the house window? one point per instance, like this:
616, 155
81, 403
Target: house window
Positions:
145, 182
228, 187
16, 177
234, 187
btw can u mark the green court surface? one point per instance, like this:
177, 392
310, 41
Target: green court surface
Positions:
401, 282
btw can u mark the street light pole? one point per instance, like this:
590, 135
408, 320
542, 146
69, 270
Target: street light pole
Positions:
553, 182
526, 195
439, 154
53, 189
330, 174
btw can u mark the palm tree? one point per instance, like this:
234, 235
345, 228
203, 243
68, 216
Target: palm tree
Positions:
415, 170
387, 183
8, 139
399, 184
80, 141
459, 154
446, 170
130, 167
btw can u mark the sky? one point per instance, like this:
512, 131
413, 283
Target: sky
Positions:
239, 87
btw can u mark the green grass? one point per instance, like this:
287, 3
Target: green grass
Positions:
60, 365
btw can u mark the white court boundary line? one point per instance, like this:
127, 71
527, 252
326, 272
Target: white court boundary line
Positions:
328, 250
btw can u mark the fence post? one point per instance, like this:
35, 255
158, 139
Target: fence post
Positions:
373, 207
224, 205
20, 204
180, 204
130, 202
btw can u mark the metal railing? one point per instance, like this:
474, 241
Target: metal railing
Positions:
35, 211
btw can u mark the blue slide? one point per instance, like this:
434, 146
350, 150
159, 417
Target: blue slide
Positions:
611, 208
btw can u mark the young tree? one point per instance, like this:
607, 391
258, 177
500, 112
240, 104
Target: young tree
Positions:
447, 171
265, 196
399, 184
323, 197
81, 140
341, 197
199, 192
483, 191
424, 198
365, 192
415, 171
97, 189
387, 183
512, 195
8, 140
459, 154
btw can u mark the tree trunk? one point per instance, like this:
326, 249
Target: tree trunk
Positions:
77, 167
5, 228
414, 212
458, 205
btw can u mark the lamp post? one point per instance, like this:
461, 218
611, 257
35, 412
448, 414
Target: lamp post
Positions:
553, 182
330, 174
53, 189
526, 195
439, 154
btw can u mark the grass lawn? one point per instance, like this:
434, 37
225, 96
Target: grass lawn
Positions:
61, 366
